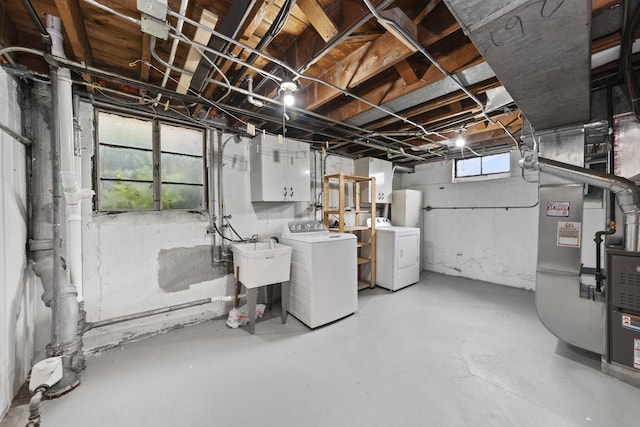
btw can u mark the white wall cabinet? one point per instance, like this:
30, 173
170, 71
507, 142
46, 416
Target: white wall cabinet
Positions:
279, 169
382, 171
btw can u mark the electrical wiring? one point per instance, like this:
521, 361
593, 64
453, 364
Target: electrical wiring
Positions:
271, 59
293, 72
212, 63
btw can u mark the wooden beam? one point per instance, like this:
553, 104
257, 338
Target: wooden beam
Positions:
208, 19
406, 72
8, 31
145, 55
370, 60
427, 10
73, 23
252, 23
145, 63
401, 19
601, 4
456, 60
365, 63
307, 45
605, 42
319, 19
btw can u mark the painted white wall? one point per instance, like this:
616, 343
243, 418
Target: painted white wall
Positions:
120, 251
17, 283
496, 245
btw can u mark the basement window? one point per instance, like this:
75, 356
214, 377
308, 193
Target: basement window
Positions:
146, 164
483, 167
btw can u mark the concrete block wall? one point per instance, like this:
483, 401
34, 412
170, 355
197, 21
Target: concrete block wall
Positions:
18, 290
497, 245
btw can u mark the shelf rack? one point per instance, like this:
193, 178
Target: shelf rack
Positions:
366, 236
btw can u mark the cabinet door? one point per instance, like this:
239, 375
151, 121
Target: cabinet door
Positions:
298, 177
384, 177
382, 171
269, 161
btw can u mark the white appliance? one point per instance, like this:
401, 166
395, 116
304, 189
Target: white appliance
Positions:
406, 209
324, 278
397, 255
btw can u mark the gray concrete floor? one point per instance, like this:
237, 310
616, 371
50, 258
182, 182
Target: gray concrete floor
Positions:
444, 352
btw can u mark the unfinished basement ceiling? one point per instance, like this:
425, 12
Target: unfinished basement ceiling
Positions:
362, 90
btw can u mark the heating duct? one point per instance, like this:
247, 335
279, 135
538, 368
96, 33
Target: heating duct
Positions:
578, 321
539, 50
626, 192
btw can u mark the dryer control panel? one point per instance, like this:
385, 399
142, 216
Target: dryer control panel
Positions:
305, 227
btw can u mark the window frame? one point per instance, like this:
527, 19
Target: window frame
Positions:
481, 176
156, 151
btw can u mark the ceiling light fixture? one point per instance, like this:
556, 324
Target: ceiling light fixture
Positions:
288, 87
460, 140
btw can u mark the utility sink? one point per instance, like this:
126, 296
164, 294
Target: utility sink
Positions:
261, 263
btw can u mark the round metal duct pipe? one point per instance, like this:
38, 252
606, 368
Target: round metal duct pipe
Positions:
626, 192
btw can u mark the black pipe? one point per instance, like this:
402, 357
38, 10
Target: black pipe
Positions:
275, 28
46, 37
600, 277
611, 141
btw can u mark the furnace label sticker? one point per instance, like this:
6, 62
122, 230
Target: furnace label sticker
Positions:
636, 353
631, 322
558, 209
569, 234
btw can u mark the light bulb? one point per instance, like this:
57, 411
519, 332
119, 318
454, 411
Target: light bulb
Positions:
460, 141
288, 99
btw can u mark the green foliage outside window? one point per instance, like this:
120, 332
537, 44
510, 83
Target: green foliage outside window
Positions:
126, 154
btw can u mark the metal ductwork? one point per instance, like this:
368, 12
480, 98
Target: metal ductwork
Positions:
539, 50
626, 192
578, 321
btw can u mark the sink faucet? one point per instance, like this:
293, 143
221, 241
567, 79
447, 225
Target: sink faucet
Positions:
254, 239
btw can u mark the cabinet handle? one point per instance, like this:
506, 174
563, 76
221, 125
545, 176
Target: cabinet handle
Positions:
285, 192
291, 195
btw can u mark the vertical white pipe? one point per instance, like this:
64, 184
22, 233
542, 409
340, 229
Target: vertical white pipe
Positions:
68, 164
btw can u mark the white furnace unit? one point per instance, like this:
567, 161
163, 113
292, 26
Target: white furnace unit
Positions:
397, 255
324, 278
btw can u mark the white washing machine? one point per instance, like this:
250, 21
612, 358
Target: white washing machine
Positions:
324, 277
397, 255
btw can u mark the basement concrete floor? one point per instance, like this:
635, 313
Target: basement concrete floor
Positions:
445, 352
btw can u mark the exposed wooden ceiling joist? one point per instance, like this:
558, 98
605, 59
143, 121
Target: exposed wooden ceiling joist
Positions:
322, 22
456, 60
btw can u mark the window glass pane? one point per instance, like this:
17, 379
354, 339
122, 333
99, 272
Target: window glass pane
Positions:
125, 131
496, 164
121, 196
175, 196
124, 163
468, 167
181, 140
181, 169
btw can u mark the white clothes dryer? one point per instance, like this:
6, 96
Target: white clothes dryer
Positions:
397, 255
324, 277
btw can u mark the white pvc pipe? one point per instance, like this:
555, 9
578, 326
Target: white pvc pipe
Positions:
69, 164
